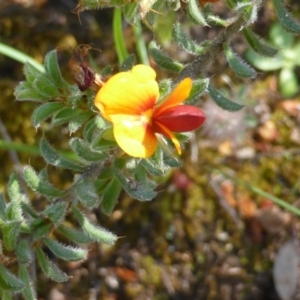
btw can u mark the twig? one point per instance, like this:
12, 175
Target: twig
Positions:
200, 63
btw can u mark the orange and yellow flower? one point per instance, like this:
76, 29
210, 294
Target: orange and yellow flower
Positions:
129, 101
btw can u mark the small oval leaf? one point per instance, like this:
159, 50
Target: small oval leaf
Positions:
45, 111
85, 151
42, 187
48, 267
31, 72
29, 292
97, 233
54, 158
285, 18
110, 196
162, 60
30, 95
222, 101
52, 67
9, 281
79, 120
238, 66
75, 235
45, 86
67, 253
195, 13
65, 115
258, 44
11, 232
184, 42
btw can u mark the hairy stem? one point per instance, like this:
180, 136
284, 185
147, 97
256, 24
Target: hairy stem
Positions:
201, 62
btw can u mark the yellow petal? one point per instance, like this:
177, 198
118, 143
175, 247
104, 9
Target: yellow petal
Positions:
178, 95
167, 133
128, 93
134, 136
143, 73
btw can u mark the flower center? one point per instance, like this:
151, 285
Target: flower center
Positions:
146, 116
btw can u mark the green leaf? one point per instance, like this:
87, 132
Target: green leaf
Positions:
29, 292
64, 115
184, 42
170, 160
137, 190
13, 209
140, 46
48, 267
195, 14
159, 163
11, 232
78, 121
120, 45
128, 63
152, 14
45, 86
97, 233
56, 212
31, 72
107, 71
199, 88
65, 252
75, 235
19, 56
285, 18
87, 194
5, 295
288, 82
110, 196
83, 150
264, 63
29, 95
75, 97
162, 60
2, 207
23, 85
24, 252
280, 38
42, 187
14, 190
258, 44
52, 67
222, 101
130, 12
296, 51
238, 66
44, 111
105, 141
54, 158
216, 20
155, 164
40, 228
249, 10
90, 130
140, 174
164, 88
9, 282
29, 210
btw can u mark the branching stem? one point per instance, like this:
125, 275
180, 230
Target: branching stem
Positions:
201, 62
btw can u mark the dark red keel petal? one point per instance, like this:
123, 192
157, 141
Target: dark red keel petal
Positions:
181, 118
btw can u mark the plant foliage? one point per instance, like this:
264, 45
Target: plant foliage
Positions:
100, 172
